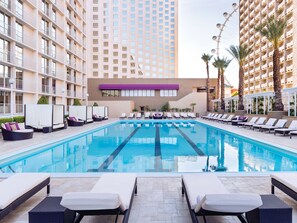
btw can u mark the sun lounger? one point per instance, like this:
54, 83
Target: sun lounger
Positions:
270, 122
168, 115
212, 116
183, 115
138, 115
208, 115
293, 133
147, 115
251, 122
217, 117
207, 196
286, 182
239, 119
123, 115
223, 117
191, 115
260, 121
228, 119
112, 195
284, 131
131, 115
176, 115
280, 124
72, 121
18, 188
16, 131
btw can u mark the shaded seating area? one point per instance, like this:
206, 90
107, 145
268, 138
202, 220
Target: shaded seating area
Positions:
81, 113
112, 195
18, 188
45, 118
207, 196
100, 113
15, 131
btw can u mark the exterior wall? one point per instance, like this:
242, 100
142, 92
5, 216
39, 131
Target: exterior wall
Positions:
116, 109
186, 87
199, 98
258, 68
134, 39
59, 86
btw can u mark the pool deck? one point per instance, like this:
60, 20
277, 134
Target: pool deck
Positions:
159, 196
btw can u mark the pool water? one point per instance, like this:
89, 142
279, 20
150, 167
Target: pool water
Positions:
155, 146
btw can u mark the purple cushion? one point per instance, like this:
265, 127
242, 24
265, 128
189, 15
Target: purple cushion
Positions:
7, 127
16, 125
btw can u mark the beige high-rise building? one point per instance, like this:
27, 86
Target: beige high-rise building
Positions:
134, 38
42, 52
258, 69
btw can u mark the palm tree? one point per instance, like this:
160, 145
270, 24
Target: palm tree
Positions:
206, 58
240, 53
273, 28
222, 64
215, 64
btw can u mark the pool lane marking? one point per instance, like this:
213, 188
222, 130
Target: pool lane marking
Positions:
104, 166
158, 154
194, 146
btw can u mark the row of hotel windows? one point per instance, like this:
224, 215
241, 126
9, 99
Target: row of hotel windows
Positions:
137, 93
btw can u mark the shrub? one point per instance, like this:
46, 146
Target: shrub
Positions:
19, 119
165, 107
43, 100
76, 102
4, 120
95, 104
135, 110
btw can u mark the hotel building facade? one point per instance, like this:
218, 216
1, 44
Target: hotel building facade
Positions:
42, 52
133, 38
258, 68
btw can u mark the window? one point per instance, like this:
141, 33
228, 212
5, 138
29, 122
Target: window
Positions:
110, 93
44, 7
54, 14
44, 65
4, 23
54, 32
137, 93
19, 32
19, 55
4, 76
54, 50
44, 26
44, 46
168, 93
19, 8
4, 50
53, 68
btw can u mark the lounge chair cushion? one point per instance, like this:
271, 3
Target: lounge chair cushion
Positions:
198, 185
289, 179
90, 201
120, 183
24, 130
17, 185
230, 203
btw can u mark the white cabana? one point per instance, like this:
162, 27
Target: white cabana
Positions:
84, 113
231, 102
291, 94
254, 100
44, 117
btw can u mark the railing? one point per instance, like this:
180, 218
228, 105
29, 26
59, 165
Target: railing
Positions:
19, 108
45, 70
45, 88
5, 29
5, 56
69, 93
4, 108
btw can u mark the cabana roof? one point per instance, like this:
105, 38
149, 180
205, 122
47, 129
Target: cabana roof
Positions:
263, 94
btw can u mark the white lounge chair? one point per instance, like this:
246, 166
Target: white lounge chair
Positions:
176, 115
123, 115
280, 124
270, 122
260, 121
147, 115
212, 116
191, 115
223, 117
284, 131
292, 133
230, 119
183, 115
206, 195
217, 117
18, 188
112, 195
208, 115
138, 115
251, 122
286, 182
169, 115
131, 115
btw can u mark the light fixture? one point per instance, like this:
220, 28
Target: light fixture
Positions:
219, 25
214, 38
234, 5
11, 81
213, 51
225, 14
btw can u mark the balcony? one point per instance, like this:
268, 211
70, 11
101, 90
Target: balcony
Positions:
289, 68
5, 56
54, 90
19, 84
4, 109
45, 88
19, 108
69, 93
290, 80
45, 70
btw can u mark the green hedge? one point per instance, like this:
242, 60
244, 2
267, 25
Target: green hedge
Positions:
18, 119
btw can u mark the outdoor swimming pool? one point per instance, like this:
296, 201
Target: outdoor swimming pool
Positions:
154, 146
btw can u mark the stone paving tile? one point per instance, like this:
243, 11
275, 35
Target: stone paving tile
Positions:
159, 199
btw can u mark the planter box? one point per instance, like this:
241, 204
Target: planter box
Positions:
276, 114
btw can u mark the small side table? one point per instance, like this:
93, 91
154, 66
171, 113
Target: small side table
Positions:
47, 129
49, 210
273, 210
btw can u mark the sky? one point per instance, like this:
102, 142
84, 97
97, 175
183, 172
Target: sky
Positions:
197, 26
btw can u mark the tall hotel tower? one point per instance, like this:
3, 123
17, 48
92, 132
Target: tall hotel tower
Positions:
258, 69
42, 52
134, 38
